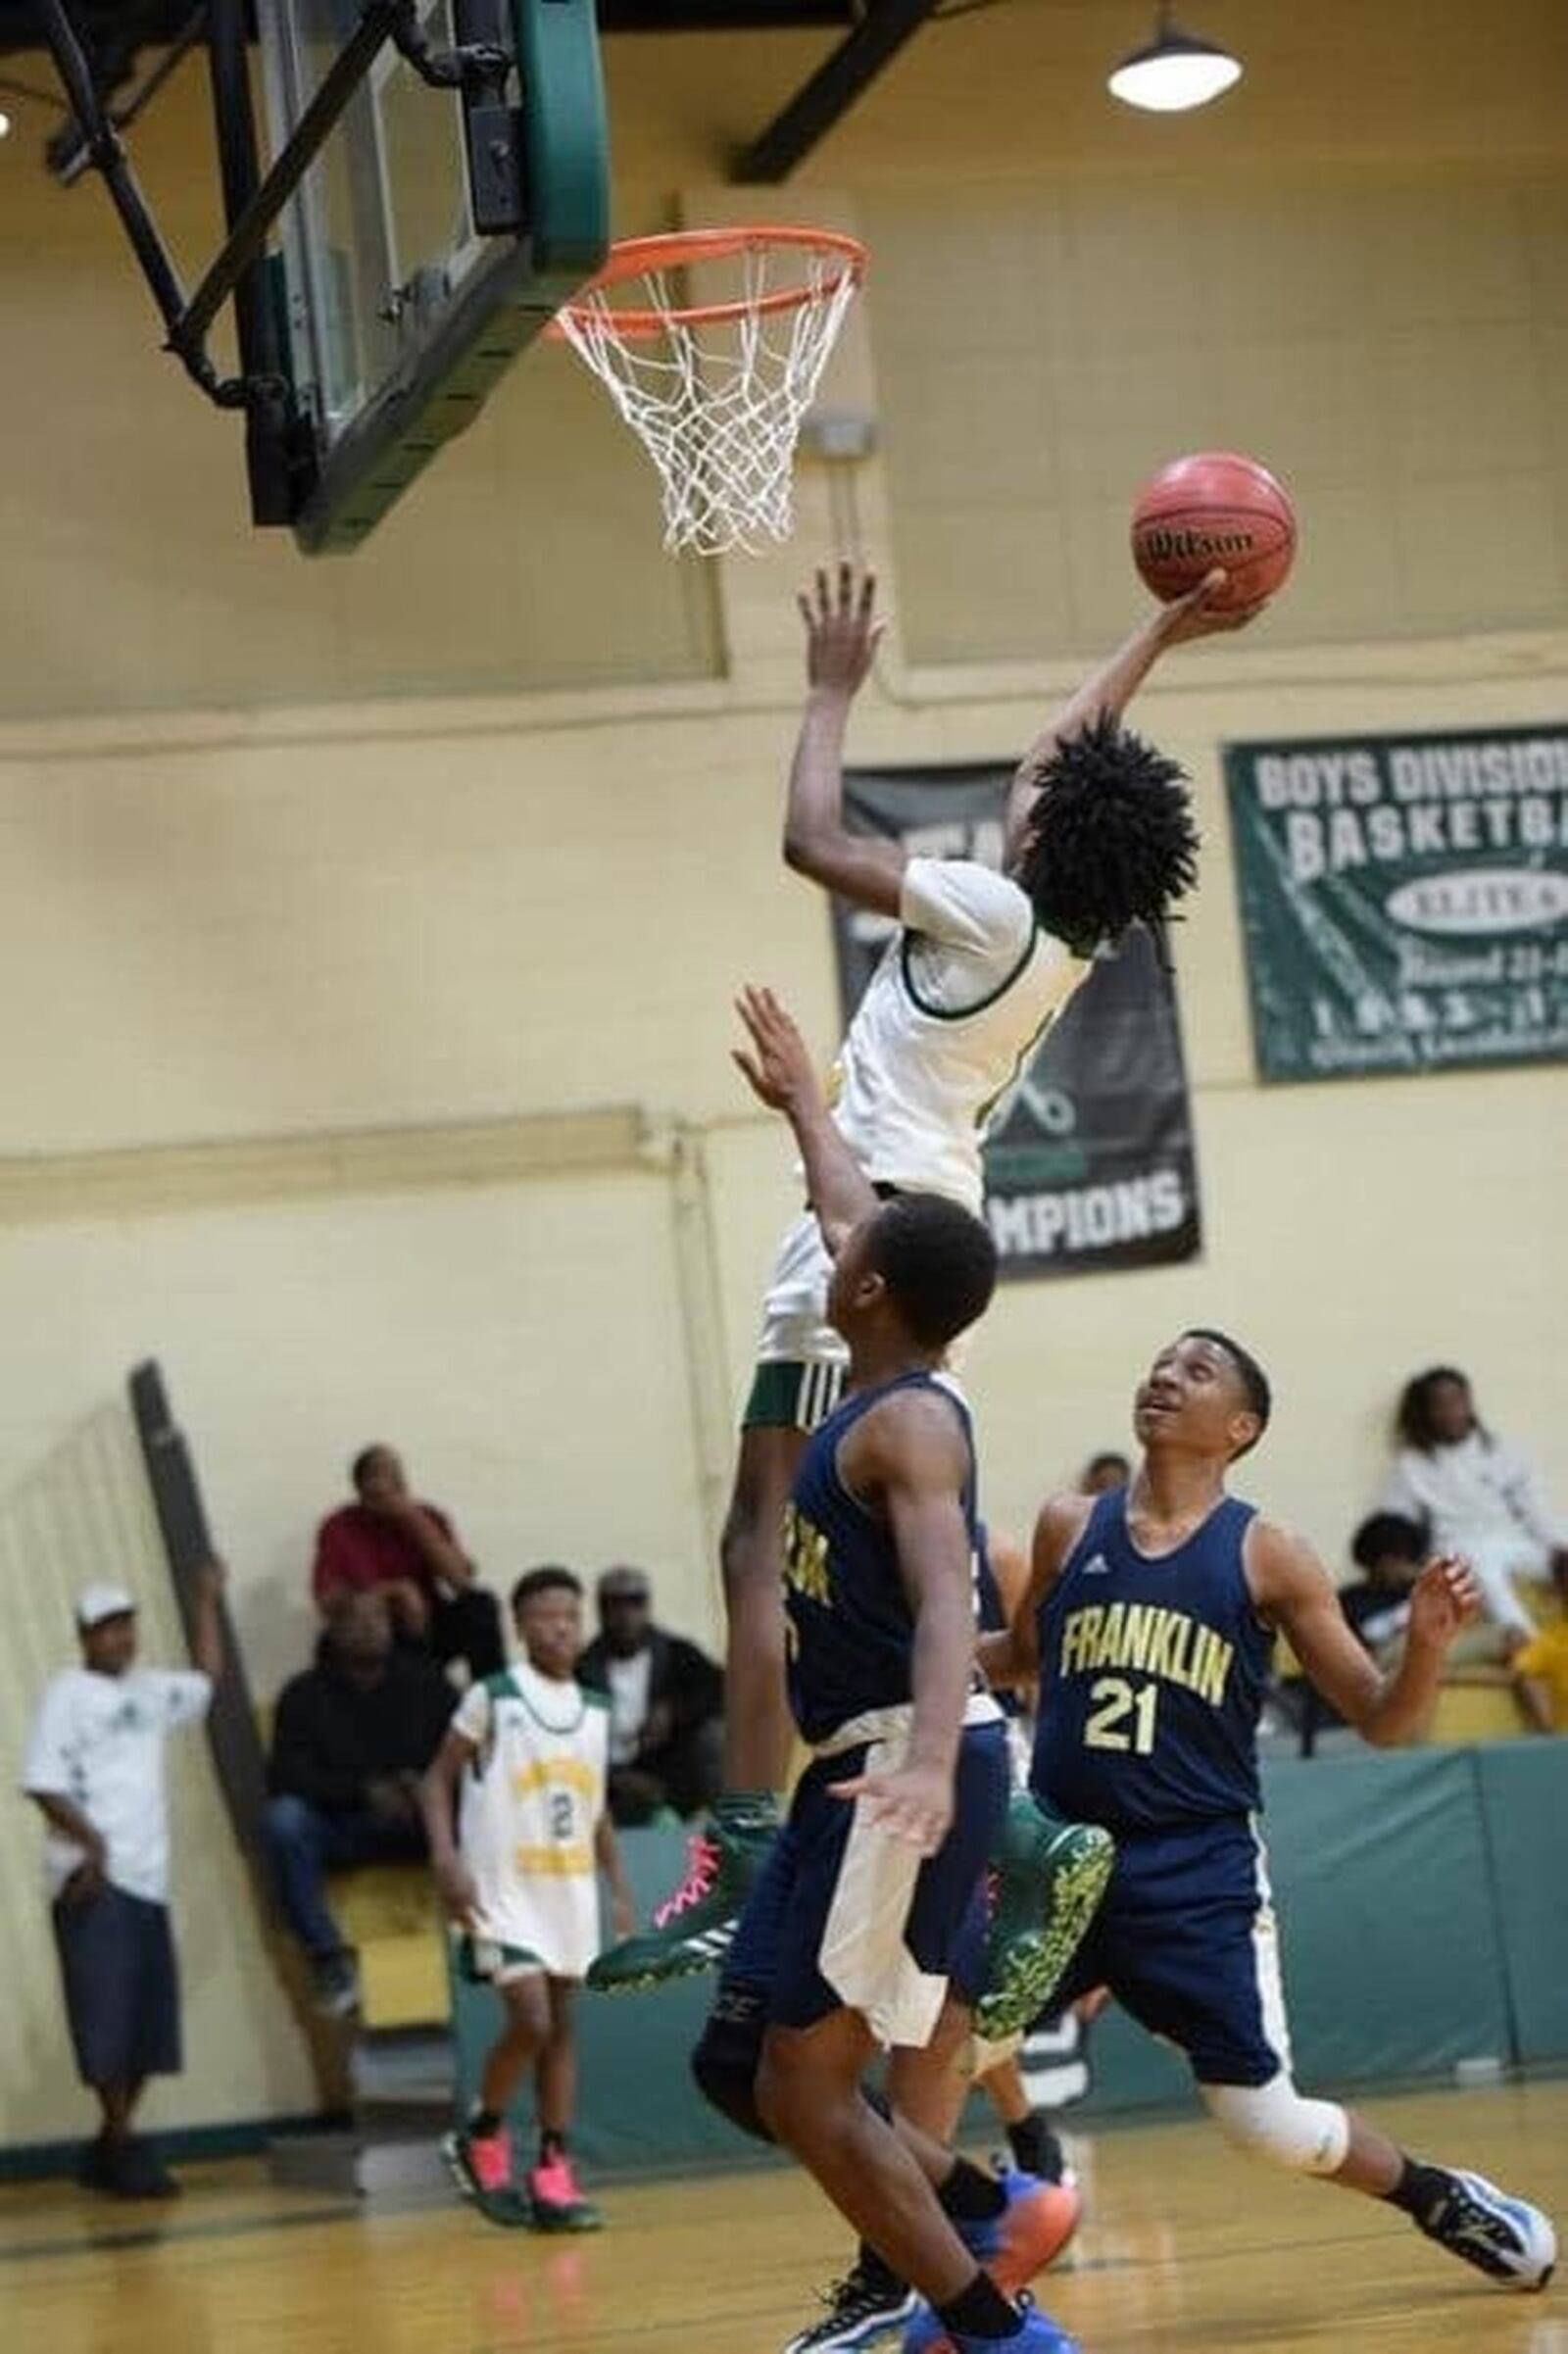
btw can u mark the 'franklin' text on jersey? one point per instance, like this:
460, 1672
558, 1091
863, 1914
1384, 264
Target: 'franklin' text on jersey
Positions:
1151, 1677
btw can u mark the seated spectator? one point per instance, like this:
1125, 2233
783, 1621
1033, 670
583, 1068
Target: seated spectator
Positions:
386, 1539
1541, 1666
351, 1739
1474, 1493
1103, 1473
1391, 1553
95, 1770
666, 1701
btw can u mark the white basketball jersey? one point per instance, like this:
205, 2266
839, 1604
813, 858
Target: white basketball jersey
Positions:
530, 1805
963, 993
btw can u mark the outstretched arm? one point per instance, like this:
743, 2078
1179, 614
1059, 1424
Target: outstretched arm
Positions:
842, 634
1110, 689
207, 1648
779, 1070
910, 1454
1295, 1592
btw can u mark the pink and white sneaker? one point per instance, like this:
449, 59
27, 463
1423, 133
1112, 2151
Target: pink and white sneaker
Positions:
557, 2202
480, 2164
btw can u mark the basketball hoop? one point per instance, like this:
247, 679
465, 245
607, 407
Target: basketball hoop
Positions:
716, 391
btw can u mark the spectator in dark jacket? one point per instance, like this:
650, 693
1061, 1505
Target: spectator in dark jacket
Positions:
351, 1739
666, 1702
1391, 1553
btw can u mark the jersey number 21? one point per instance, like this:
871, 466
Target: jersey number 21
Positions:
1114, 1701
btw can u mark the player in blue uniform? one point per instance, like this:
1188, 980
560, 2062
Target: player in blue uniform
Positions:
1148, 1622
872, 1900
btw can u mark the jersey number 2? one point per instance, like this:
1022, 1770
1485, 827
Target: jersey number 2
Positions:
1116, 1700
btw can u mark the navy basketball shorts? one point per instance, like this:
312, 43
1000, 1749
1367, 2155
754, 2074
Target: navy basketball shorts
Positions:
1186, 1940
847, 1917
121, 1985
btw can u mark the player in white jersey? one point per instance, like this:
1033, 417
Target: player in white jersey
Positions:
1097, 835
526, 1763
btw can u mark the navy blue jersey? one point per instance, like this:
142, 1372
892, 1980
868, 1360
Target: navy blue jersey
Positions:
1151, 1676
990, 1616
850, 1629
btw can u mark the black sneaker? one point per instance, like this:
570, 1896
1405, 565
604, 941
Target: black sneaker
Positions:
335, 1984
1036, 2150
1502, 2237
134, 2170
862, 2309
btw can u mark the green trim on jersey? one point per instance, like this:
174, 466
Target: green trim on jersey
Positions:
503, 1685
482, 1960
960, 1013
794, 1394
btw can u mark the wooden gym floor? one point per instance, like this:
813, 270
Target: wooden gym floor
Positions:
1183, 2246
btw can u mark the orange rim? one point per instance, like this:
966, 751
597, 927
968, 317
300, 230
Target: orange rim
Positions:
637, 256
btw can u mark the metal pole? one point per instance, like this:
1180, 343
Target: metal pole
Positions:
268, 411
832, 90
109, 158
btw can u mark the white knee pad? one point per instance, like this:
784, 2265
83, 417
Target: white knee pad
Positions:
1273, 2120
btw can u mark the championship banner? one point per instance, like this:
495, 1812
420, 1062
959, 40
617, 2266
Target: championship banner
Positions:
1090, 1163
1403, 900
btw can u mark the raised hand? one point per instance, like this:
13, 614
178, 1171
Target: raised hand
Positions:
842, 629
778, 1069
1199, 614
1443, 1600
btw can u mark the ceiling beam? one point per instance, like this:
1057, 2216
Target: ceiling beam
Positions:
832, 90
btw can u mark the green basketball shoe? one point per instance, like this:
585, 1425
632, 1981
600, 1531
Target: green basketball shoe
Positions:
1047, 1878
693, 1928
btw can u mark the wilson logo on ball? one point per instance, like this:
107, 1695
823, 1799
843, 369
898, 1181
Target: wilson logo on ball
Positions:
1161, 545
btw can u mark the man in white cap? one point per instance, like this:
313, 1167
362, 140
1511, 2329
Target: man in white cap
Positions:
95, 1769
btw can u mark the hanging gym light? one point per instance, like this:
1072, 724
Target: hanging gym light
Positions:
1175, 72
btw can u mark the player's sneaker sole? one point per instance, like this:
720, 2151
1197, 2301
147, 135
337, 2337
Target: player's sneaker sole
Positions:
1074, 1866
577, 2218
1039, 2224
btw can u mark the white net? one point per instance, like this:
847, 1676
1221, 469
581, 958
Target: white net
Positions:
717, 403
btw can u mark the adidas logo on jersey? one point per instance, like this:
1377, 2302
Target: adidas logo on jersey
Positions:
1097, 1566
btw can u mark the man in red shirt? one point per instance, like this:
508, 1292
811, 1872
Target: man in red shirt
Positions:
387, 1540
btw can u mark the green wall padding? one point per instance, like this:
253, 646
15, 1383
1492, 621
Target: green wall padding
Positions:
1424, 1921
1394, 1964
1524, 1799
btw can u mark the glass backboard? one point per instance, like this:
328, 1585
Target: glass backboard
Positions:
413, 266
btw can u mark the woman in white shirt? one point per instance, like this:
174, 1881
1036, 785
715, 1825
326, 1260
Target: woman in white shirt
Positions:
1474, 1493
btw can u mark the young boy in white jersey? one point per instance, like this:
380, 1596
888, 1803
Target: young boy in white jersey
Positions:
524, 1770
1097, 835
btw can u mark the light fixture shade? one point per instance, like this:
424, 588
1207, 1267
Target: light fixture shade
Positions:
1174, 72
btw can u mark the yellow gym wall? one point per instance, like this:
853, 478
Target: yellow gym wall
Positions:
370, 927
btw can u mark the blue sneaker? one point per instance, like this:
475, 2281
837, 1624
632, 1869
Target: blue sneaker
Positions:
1036, 2334
1030, 2232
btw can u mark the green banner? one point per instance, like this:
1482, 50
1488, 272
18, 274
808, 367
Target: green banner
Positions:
1403, 900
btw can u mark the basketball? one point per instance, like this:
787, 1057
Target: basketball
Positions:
1213, 509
